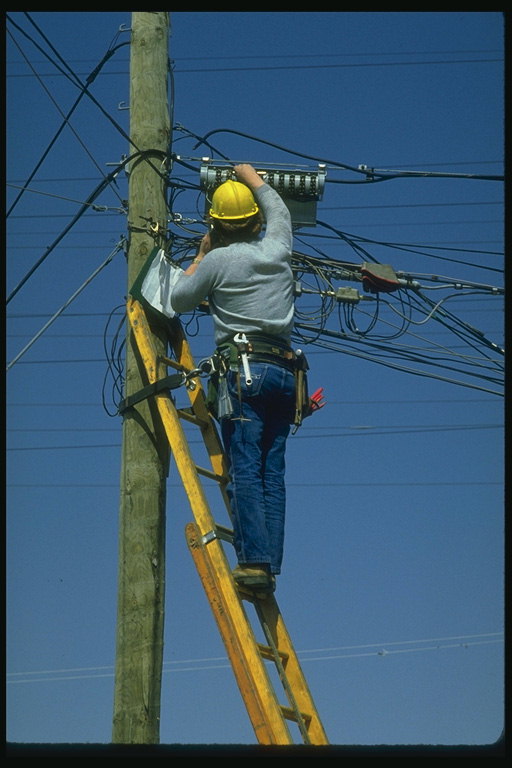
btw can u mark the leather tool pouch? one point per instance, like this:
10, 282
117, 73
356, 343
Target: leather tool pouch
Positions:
302, 401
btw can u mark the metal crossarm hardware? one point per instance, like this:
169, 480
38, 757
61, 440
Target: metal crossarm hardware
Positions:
249, 658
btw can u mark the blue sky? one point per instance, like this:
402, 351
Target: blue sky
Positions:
392, 584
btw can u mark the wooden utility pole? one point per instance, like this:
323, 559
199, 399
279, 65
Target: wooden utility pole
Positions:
141, 570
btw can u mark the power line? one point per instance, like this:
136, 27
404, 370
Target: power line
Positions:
329, 654
306, 55
289, 67
349, 427
361, 432
79, 290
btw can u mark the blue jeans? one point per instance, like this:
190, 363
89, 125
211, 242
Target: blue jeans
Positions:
255, 449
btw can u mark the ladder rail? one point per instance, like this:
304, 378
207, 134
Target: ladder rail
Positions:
250, 672
270, 616
170, 419
298, 716
204, 538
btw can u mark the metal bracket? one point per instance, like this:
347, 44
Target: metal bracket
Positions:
221, 532
208, 537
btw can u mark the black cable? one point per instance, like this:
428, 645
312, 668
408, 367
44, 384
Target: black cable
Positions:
52, 142
76, 81
378, 359
370, 174
85, 206
115, 363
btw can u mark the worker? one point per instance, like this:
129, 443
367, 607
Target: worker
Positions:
248, 282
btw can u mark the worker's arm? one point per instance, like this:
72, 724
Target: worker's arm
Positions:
247, 175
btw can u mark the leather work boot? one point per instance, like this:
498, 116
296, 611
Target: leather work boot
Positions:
253, 576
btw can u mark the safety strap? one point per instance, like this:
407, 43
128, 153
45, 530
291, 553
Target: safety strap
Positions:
169, 382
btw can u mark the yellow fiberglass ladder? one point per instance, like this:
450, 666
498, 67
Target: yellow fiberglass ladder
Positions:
249, 658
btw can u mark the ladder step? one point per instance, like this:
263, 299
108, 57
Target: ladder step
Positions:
290, 714
224, 533
187, 415
219, 532
267, 653
172, 363
221, 479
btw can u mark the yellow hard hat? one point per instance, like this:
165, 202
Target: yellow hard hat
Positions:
233, 200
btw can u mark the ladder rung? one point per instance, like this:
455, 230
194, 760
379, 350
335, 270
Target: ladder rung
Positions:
172, 363
211, 475
290, 714
224, 533
267, 653
219, 532
187, 415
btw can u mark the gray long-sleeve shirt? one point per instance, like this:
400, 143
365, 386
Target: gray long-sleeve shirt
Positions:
249, 286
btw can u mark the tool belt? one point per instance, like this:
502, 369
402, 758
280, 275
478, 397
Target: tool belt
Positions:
262, 349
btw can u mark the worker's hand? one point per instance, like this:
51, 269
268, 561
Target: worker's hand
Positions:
247, 175
317, 400
205, 246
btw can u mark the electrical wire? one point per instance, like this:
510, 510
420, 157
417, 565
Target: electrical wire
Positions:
79, 290
44, 155
328, 653
115, 361
104, 183
319, 273
369, 174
